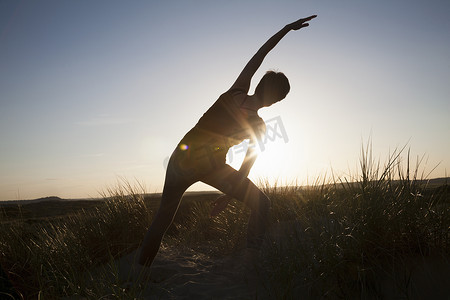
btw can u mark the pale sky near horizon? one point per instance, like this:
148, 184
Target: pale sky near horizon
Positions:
95, 91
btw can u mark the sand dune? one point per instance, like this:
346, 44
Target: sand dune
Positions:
185, 274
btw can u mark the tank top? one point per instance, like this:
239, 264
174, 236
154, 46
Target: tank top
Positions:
224, 125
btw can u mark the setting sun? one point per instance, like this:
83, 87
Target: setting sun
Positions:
275, 153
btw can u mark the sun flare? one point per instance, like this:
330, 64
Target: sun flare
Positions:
272, 158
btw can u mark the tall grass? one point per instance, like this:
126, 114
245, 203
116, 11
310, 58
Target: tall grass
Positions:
52, 258
339, 237
333, 238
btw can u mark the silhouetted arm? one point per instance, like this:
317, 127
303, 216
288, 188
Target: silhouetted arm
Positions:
249, 160
243, 80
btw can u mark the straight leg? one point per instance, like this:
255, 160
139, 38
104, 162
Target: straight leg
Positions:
170, 201
174, 187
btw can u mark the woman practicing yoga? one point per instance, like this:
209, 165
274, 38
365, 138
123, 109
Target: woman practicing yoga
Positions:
201, 154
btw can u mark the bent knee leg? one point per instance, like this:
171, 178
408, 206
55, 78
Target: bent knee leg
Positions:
262, 208
258, 201
264, 202
258, 222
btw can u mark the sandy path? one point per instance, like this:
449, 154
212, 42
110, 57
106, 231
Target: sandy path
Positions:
186, 274
181, 273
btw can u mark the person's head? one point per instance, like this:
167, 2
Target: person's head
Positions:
273, 87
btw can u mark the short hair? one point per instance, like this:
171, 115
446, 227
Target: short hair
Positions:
274, 86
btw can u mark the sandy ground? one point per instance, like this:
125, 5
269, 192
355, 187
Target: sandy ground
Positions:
188, 275
185, 274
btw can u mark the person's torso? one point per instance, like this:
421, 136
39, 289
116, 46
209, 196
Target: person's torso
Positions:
222, 126
226, 123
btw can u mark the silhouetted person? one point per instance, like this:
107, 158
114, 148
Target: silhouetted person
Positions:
201, 154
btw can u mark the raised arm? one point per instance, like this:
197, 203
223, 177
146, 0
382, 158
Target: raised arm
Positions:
243, 80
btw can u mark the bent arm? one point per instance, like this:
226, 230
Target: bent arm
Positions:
243, 80
249, 160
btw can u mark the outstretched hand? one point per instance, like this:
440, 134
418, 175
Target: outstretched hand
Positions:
219, 205
301, 23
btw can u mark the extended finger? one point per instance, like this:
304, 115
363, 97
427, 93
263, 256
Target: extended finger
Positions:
309, 18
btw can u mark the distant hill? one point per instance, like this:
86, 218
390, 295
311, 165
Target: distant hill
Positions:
435, 182
438, 181
43, 199
50, 198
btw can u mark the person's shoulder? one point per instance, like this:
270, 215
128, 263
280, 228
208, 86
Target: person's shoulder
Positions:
232, 97
257, 121
236, 91
236, 95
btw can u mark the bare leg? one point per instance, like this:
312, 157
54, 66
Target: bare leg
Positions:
170, 201
230, 182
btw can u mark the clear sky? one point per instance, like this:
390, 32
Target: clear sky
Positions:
93, 91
